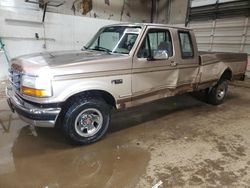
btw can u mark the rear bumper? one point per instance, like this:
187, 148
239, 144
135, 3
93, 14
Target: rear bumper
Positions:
31, 114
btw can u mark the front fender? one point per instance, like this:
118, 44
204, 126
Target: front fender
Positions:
77, 87
63, 89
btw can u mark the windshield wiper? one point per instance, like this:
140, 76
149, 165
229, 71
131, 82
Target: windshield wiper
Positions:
99, 48
121, 52
84, 48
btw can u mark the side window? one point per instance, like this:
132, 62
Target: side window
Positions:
186, 44
156, 39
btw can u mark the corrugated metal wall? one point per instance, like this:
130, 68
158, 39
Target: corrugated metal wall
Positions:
197, 3
225, 35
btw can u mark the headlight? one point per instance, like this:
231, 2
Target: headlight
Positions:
36, 86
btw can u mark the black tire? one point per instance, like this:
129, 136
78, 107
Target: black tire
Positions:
74, 121
217, 94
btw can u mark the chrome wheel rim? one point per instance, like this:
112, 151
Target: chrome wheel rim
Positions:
88, 122
221, 92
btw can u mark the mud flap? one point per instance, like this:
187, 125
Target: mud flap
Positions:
243, 78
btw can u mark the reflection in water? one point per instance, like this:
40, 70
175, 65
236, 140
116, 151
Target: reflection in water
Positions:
6, 124
47, 160
8, 133
42, 162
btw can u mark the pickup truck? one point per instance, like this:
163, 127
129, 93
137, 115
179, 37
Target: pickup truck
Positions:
123, 65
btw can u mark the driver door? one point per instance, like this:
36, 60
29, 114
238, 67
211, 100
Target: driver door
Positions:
153, 79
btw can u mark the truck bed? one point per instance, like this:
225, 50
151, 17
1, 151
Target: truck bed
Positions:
213, 63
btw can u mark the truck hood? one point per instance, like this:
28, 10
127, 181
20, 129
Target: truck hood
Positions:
60, 58
62, 61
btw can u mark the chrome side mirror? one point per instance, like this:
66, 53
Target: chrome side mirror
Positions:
160, 55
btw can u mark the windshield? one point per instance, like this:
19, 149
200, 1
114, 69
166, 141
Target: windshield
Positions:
115, 39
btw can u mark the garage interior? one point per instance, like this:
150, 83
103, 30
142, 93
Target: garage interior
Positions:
175, 142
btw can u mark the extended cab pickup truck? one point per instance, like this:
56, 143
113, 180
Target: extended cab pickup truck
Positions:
124, 65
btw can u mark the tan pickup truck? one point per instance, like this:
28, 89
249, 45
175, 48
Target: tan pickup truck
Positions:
123, 65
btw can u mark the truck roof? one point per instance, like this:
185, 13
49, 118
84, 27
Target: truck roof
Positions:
150, 24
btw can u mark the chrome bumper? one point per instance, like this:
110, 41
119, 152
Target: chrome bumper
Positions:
31, 114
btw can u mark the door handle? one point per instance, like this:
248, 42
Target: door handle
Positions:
173, 64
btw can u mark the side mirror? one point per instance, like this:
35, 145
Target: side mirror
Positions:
160, 55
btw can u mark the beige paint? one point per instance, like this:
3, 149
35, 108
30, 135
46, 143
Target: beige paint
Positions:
143, 80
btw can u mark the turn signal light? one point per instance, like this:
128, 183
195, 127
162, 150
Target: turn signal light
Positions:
33, 92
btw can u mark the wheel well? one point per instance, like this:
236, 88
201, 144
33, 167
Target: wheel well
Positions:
99, 94
227, 74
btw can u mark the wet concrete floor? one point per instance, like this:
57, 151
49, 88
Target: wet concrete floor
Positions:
181, 141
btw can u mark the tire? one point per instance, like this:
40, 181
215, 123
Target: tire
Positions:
86, 121
217, 94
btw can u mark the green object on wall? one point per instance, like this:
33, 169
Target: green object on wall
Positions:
2, 45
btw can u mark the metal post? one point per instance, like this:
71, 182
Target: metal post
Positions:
212, 35
152, 10
188, 13
244, 34
44, 10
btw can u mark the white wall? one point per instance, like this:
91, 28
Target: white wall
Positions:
64, 32
135, 11
3, 66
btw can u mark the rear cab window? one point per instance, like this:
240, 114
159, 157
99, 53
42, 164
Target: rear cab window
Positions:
186, 45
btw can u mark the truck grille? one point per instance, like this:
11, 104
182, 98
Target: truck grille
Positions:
15, 78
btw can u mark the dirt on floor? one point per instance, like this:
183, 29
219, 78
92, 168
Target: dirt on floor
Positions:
181, 141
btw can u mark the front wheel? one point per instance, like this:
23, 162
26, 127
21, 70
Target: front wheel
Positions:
86, 121
217, 94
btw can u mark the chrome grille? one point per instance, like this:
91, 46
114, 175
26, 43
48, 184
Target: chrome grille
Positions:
15, 78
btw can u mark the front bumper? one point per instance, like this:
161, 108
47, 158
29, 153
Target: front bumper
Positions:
30, 113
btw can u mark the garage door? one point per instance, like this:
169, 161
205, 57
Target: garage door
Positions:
221, 25
226, 35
